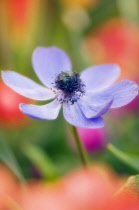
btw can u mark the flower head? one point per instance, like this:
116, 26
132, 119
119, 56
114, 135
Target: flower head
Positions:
85, 97
70, 86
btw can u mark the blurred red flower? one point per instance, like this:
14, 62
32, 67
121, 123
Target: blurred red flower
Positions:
116, 41
10, 115
18, 11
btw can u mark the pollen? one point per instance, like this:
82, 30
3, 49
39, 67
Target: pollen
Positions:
71, 85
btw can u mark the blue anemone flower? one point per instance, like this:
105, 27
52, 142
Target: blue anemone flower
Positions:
85, 96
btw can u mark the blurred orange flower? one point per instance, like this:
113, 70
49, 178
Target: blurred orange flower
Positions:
9, 186
18, 17
116, 41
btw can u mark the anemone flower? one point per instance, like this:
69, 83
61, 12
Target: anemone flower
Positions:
85, 96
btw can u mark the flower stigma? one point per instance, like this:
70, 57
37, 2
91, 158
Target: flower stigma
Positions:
70, 87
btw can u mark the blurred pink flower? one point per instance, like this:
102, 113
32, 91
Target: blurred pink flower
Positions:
89, 188
85, 189
79, 190
93, 139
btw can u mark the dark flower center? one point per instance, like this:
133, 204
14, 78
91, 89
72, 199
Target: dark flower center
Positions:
68, 81
71, 85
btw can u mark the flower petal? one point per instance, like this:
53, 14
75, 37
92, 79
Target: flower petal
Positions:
45, 112
101, 76
74, 116
26, 87
91, 110
122, 93
49, 62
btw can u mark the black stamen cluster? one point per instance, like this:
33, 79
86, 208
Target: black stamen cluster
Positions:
69, 82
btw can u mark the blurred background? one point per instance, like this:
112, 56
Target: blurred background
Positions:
91, 32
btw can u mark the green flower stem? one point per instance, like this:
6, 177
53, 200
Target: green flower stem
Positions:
42, 161
127, 159
81, 151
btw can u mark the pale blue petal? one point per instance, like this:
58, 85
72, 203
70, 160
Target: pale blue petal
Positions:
91, 110
101, 76
44, 112
26, 87
49, 62
75, 116
122, 93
